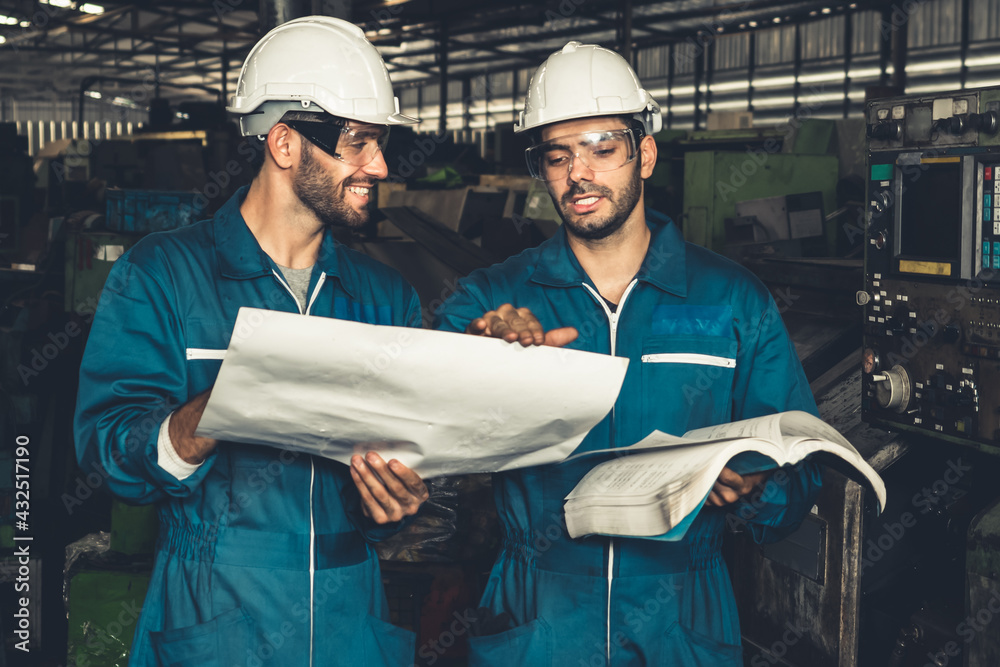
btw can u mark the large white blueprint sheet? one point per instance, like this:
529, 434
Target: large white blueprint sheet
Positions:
441, 403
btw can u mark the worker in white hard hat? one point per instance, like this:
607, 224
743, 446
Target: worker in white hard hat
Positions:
706, 346
264, 554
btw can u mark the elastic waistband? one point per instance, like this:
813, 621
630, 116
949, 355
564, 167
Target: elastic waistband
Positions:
257, 548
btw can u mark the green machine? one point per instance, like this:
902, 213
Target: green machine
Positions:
724, 168
103, 611
89, 256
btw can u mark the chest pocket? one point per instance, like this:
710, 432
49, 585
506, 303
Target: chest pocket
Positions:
207, 341
687, 381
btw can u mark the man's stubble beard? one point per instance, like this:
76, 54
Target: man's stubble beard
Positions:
622, 207
316, 190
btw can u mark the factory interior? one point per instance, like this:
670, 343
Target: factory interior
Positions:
845, 153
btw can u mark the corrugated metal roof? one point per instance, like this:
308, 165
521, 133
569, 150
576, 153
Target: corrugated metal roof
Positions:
823, 38
776, 45
984, 20
652, 62
732, 51
867, 32
931, 23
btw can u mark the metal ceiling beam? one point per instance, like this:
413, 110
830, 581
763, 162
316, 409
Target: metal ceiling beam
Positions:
682, 30
162, 39
152, 35
169, 66
104, 36
426, 69
613, 23
507, 41
512, 16
684, 23
208, 19
505, 54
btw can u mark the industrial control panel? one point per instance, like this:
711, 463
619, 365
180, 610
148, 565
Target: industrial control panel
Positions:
931, 299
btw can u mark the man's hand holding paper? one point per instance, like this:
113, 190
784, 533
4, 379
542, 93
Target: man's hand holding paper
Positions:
731, 486
389, 491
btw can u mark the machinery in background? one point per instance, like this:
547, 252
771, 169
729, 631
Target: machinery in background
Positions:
917, 585
932, 289
724, 168
795, 216
931, 351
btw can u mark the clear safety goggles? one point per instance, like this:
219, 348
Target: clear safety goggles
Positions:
607, 150
356, 146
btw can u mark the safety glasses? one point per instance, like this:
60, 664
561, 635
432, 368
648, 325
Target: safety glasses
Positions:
608, 150
356, 146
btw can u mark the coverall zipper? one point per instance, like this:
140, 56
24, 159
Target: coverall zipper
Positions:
312, 474
613, 322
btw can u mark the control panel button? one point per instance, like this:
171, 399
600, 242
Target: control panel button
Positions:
996, 247
986, 247
996, 226
987, 201
881, 201
892, 388
996, 262
988, 173
986, 214
996, 186
986, 261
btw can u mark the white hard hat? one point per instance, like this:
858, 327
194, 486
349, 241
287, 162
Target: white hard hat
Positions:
315, 63
584, 80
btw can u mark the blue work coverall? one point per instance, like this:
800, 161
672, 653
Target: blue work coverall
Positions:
263, 556
706, 345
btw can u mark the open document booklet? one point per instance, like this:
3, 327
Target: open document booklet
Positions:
655, 487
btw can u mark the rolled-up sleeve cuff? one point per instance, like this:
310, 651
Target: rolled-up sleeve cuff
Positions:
167, 457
